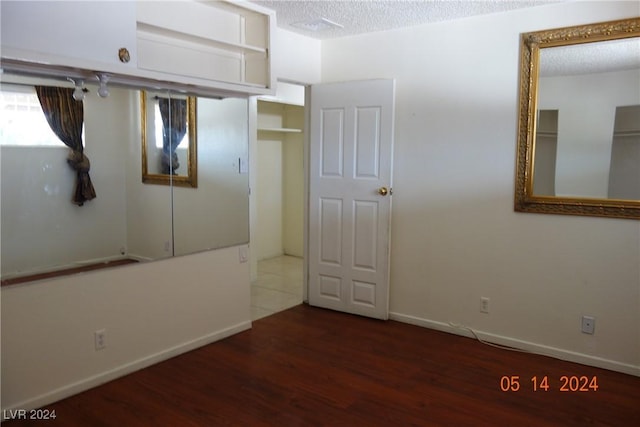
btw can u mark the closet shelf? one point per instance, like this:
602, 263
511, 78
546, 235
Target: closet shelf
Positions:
282, 130
275, 100
156, 33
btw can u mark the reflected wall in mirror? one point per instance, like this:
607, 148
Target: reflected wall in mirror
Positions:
216, 214
579, 121
43, 232
169, 139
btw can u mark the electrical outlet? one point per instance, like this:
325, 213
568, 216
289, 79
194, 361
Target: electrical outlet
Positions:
484, 305
588, 324
100, 339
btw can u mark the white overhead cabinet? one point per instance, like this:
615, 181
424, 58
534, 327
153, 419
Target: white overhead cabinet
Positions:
207, 47
217, 41
69, 33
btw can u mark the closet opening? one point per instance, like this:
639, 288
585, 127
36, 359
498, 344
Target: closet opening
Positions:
278, 200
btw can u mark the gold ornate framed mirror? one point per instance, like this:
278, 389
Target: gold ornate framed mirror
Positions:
169, 139
579, 121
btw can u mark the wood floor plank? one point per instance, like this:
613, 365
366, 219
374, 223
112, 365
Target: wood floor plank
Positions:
313, 367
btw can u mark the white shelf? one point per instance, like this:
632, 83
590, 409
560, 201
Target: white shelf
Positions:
282, 130
151, 32
275, 100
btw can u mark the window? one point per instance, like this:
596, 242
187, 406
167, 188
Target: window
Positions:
22, 122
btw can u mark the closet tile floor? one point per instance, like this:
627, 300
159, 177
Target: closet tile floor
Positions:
278, 286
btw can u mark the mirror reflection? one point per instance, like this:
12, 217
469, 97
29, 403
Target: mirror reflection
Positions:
169, 139
579, 124
588, 121
128, 220
216, 214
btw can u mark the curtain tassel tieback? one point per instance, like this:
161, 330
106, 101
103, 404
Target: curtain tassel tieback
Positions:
84, 188
78, 161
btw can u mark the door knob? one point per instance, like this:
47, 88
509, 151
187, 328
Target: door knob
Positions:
383, 191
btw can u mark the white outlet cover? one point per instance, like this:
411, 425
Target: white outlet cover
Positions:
588, 324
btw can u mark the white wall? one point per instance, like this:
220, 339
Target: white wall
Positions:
293, 186
267, 237
295, 58
455, 235
151, 311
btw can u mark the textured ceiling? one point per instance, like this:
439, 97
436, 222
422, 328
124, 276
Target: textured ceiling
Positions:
357, 16
615, 55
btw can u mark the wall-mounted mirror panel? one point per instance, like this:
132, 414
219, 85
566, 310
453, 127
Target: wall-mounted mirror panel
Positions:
216, 214
42, 231
579, 123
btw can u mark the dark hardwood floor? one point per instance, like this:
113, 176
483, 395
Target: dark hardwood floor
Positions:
308, 366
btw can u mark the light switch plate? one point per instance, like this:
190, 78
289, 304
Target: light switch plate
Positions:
242, 254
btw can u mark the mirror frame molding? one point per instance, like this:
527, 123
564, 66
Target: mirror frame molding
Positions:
530, 45
191, 179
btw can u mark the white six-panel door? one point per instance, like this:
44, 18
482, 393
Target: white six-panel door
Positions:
350, 152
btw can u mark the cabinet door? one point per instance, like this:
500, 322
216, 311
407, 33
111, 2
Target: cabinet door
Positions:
216, 41
56, 31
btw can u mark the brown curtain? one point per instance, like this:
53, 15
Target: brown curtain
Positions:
174, 127
65, 116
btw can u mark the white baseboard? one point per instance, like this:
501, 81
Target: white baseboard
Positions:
544, 350
120, 371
